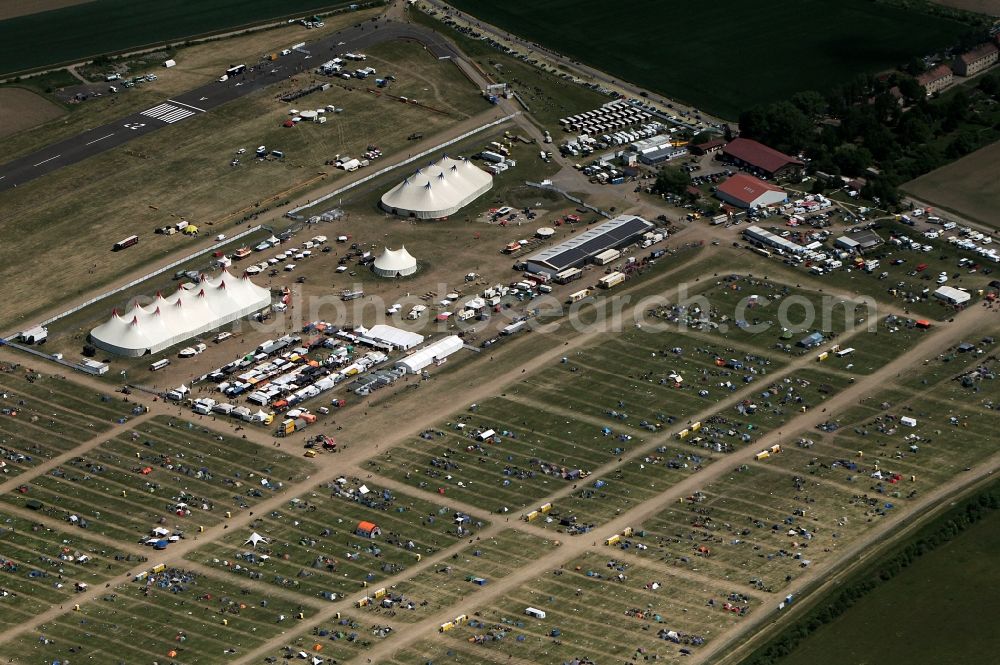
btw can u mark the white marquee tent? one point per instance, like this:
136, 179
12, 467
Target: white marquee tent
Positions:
395, 263
167, 321
438, 190
434, 352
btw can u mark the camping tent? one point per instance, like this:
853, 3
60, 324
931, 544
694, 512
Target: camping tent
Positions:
255, 538
368, 529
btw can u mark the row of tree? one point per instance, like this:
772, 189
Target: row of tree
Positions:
941, 531
884, 123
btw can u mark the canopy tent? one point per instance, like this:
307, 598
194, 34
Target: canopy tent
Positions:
255, 538
439, 189
395, 263
167, 321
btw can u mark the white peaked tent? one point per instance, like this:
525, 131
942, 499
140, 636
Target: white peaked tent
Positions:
256, 538
212, 302
439, 189
395, 263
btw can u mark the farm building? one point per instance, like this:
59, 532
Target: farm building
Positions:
432, 353
746, 191
395, 263
191, 310
760, 158
439, 189
952, 296
976, 60
394, 337
936, 79
708, 147
584, 246
368, 530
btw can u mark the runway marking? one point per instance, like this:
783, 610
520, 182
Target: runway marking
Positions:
47, 160
188, 105
168, 113
100, 139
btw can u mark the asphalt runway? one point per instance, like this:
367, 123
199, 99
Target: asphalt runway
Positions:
187, 106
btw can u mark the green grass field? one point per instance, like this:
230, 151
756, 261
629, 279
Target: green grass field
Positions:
725, 56
116, 25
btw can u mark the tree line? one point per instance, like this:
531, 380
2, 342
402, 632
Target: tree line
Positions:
883, 128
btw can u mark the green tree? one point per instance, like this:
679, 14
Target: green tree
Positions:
810, 102
671, 180
913, 128
852, 159
910, 89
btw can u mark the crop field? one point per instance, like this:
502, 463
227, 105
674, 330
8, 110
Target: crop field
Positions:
184, 171
312, 546
116, 25
858, 37
453, 581
654, 613
173, 616
957, 579
23, 109
549, 96
40, 566
166, 469
963, 186
44, 416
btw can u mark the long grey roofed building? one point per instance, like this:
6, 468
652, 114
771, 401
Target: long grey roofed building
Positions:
584, 246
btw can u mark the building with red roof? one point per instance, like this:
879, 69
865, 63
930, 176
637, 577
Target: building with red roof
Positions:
746, 191
976, 60
757, 157
936, 79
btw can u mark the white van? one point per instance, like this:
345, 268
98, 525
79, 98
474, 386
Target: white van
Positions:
159, 364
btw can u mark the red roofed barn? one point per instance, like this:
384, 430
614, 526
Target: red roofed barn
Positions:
745, 191
758, 157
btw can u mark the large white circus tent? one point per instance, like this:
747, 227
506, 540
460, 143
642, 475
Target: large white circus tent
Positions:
191, 310
438, 190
